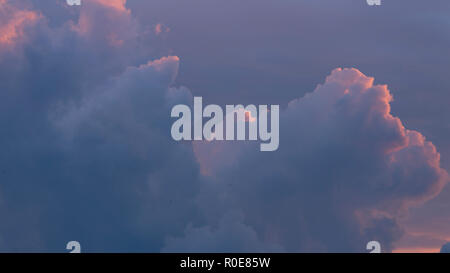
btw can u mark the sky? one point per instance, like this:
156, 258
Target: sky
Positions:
85, 99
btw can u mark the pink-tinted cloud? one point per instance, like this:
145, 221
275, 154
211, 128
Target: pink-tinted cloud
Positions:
118, 5
13, 21
106, 20
346, 171
160, 28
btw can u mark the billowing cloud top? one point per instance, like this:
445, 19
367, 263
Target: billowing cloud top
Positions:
346, 170
87, 153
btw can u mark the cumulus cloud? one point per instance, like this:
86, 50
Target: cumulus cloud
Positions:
118, 145
87, 153
230, 235
346, 170
121, 27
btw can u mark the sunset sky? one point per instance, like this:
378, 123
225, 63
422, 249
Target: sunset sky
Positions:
86, 152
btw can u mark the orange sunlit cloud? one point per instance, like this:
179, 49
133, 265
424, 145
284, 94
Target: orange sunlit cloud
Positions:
115, 4
12, 28
160, 28
416, 250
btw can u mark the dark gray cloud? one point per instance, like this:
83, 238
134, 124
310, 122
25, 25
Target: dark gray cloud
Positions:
87, 153
230, 235
86, 150
445, 248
